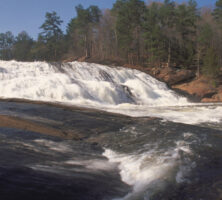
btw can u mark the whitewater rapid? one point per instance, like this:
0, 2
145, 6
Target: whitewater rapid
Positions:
120, 90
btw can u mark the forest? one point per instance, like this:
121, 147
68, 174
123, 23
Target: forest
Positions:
154, 34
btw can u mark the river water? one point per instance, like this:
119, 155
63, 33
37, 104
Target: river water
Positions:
163, 147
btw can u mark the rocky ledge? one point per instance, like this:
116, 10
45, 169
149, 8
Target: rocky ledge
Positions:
202, 88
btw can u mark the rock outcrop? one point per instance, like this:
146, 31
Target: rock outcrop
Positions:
186, 82
216, 97
173, 76
201, 88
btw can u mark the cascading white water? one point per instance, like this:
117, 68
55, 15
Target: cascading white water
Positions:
120, 90
151, 170
83, 83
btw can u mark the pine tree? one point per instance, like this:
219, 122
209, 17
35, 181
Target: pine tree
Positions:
153, 36
40, 50
83, 26
52, 35
6, 44
186, 20
22, 47
210, 63
167, 13
129, 15
217, 13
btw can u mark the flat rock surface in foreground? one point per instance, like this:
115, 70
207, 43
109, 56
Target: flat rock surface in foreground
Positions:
61, 121
59, 152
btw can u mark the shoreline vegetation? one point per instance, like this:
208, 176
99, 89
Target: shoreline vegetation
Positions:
178, 43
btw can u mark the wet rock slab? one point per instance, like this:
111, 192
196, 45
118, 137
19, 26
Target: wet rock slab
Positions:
35, 165
59, 120
38, 141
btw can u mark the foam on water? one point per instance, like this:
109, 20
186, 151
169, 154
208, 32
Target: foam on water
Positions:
193, 113
93, 164
152, 170
83, 83
55, 146
120, 90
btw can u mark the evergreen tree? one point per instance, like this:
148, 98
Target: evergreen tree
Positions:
22, 47
52, 35
168, 27
6, 44
153, 35
83, 26
218, 11
160, 33
210, 63
186, 19
129, 16
204, 41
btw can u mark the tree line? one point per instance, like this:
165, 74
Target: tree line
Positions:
154, 34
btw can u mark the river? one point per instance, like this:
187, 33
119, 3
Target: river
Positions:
87, 131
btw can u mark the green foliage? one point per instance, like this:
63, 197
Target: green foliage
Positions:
186, 19
22, 47
40, 50
129, 17
153, 35
52, 36
205, 36
81, 28
6, 44
51, 26
158, 34
211, 63
218, 11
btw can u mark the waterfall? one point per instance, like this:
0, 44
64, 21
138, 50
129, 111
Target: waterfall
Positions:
121, 90
83, 84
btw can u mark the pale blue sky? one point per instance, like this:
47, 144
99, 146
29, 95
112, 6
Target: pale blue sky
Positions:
19, 15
